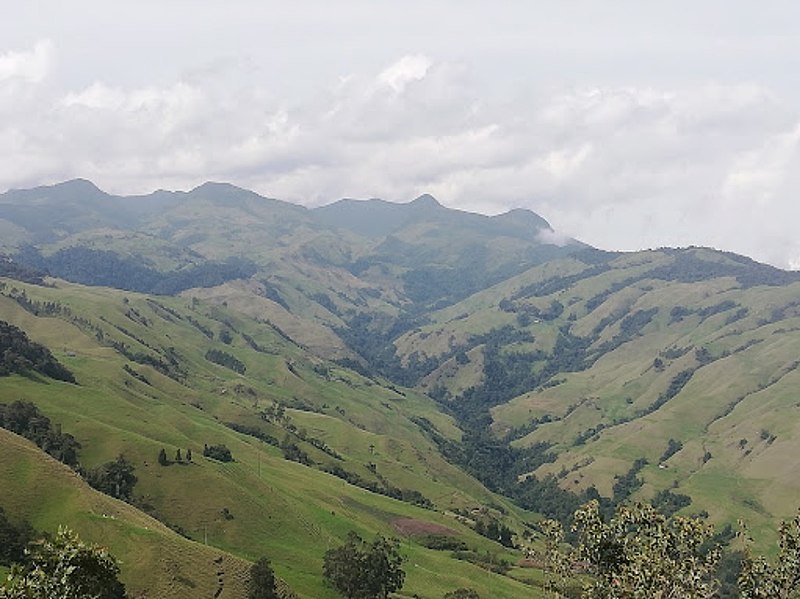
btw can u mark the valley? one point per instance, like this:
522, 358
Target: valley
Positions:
381, 368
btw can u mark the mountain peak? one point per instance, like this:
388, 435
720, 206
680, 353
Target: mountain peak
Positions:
524, 217
78, 185
426, 200
223, 192
217, 186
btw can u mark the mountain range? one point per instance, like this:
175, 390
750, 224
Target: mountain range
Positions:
406, 369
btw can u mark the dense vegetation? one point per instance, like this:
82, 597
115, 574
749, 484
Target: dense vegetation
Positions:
14, 538
108, 269
115, 478
25, 419
18, 354
225, 359
11, 269
67, 568
639, 552
262, 580
218, 452
359, 570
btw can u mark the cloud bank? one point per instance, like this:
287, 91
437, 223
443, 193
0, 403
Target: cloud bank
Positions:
620, 167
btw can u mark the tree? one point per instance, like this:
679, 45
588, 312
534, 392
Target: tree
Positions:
162, 457
639, 553
13, 539
361, 571
218, 452
114, 478
65, 568
760, 579
262, 581
558, 564
384, 574
25, 419
342, 567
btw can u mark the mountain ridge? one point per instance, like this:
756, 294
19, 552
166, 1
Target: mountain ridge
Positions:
483, 365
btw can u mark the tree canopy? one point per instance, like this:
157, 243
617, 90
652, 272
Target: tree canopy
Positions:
780, 579
365, 571
116, 478
13, 539
638, 553
262, 581
65, 568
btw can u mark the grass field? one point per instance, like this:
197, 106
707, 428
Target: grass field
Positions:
260, 504
736, 415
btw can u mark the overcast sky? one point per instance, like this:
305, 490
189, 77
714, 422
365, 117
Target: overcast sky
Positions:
626, 124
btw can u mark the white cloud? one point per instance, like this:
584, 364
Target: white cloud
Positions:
621, 167
406, 70
758, 175
32, 66
562, 163
553, 237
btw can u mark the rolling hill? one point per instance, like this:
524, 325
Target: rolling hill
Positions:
371, 365
146, 381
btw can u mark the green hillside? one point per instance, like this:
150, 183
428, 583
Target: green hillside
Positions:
692, 346
144, 382
393, 369
155, 561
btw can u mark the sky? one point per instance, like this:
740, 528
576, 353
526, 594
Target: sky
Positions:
626, 124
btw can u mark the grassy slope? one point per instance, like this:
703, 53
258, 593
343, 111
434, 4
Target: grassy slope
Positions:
282, 509
49, 494
754, 366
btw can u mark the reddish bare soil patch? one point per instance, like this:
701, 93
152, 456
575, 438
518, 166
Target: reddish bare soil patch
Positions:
411, 527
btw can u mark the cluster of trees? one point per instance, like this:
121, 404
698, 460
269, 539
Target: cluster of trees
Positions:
14, 538
262, 581
163, 460
35, 307
383, 488
101, 267
442, 285
630, 327
442, 543
227, 360
218, 452
25, 419
13, 270
65, 568
639, 552
115, 478
361, 570
688, 267
293, 453
526, 312
20, 355
496, 531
